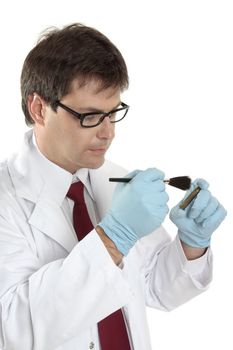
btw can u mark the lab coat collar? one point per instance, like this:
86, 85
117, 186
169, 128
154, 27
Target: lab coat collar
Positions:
42, 182
35, 177
56, 180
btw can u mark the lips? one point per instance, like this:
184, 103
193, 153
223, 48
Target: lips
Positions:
102, 148
98, 150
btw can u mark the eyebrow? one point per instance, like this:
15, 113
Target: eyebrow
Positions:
93, 109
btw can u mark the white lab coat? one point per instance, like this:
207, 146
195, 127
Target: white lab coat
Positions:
52, 290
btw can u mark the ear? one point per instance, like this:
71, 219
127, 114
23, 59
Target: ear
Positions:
36, 108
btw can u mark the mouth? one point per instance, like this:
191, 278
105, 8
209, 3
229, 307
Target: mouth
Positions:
100, 150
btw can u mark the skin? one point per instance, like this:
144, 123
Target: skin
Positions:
62, 139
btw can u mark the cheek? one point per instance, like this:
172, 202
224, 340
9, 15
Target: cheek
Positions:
70, 137
81, 139
68, 131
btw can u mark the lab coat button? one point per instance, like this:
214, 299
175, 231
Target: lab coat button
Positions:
92, 345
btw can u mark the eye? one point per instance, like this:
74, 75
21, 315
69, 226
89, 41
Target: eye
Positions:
91, 119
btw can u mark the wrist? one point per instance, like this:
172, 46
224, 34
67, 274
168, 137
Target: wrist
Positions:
115, 254
192, 253
194, 240
118, 233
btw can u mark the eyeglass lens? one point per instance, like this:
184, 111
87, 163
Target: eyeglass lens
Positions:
95, 119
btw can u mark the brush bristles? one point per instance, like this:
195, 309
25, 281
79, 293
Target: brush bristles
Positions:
181, 182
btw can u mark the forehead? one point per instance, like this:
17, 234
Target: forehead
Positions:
90, 96
93, 88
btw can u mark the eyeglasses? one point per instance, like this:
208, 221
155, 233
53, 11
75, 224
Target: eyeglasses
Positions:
91, 119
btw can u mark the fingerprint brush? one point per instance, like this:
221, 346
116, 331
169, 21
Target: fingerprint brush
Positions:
190, 198
181, 182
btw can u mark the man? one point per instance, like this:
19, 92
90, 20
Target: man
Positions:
79, 258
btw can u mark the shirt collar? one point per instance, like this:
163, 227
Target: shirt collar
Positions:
57, 180
84, 176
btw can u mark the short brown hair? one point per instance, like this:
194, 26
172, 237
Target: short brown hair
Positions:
62, 55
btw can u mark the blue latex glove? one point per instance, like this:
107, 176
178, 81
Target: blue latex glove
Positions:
201, 217
138, 207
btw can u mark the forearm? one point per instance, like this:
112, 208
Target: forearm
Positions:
110, 246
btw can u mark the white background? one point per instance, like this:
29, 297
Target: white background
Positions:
180, 60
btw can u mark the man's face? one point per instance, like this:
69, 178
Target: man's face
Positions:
65, 142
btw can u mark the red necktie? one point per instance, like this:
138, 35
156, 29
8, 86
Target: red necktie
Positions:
112, 330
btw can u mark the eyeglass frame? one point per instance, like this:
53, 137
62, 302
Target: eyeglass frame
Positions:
81, 116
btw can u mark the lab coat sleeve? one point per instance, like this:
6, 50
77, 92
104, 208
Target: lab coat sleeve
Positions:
43, 306
170, 279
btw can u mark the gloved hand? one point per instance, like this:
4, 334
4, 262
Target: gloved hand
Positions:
200, 219
138, 207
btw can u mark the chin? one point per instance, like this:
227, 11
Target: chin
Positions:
96, 164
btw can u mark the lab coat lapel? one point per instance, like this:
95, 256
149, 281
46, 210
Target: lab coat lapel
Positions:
101, 187
47, 216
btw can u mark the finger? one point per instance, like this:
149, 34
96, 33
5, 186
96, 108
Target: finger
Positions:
203, 184
132, 174
163, 198
209, 210
199, 204
215, 219
155, 199
150, 174
163, 210
158, 186
176, 212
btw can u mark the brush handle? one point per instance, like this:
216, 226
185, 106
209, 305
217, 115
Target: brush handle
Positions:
120, 179
127, 179
191, 197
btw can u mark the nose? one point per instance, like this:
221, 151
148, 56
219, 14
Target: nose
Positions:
106, 129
